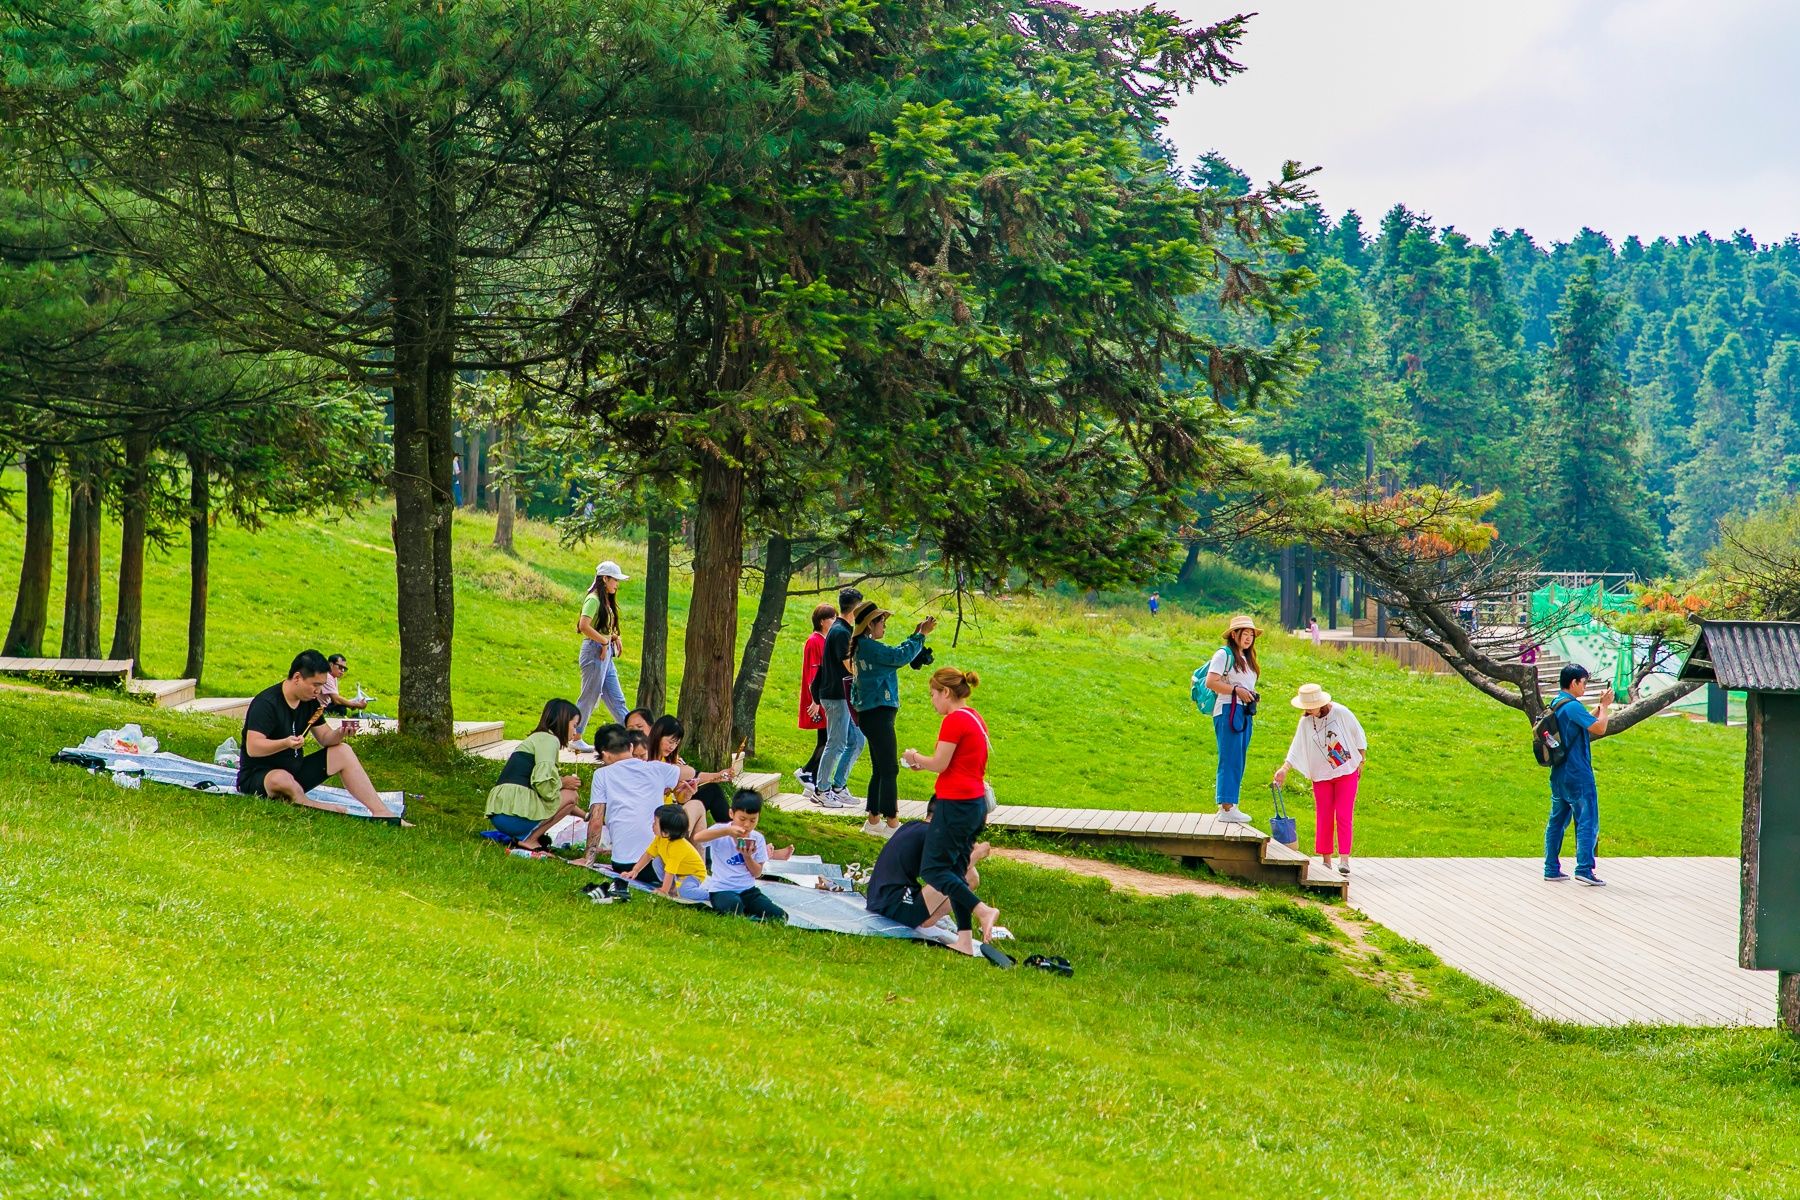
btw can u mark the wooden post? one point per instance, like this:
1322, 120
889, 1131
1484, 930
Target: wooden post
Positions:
1718, 705
1787, 1004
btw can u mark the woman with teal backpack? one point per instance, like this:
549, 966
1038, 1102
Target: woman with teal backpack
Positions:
1231, 678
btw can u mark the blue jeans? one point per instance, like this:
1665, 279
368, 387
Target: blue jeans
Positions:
599, 680
1577, 800
1234, 748
843, 742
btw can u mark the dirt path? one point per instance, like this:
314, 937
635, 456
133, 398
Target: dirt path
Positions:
1359, 953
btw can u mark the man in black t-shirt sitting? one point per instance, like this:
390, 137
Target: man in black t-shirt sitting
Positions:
274, 762
894, 887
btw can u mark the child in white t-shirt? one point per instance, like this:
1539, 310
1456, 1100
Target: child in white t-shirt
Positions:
737, 853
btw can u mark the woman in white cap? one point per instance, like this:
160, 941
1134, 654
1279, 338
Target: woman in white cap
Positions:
1329, 748
1232, 674
601, 645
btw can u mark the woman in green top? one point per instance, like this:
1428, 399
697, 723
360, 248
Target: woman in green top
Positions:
532, 794
601, 645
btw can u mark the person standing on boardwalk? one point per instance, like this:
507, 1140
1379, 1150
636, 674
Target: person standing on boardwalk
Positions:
875, 694
958, 802
601, 645
1232, 674
812, 713
843, 739
1329, 748
1573, 793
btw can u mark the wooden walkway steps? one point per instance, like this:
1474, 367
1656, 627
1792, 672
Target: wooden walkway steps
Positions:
168, 693
1656, 946
218, 706
105, 670
477, 737
1241, 851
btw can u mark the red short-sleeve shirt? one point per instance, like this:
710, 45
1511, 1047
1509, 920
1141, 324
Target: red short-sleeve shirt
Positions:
966, 776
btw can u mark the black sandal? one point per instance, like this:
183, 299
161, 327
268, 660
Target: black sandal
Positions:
1053, 964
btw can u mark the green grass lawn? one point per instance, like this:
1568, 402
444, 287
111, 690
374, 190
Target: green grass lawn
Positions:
1089, 707
218, 996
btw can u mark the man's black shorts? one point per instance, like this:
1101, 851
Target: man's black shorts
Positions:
910, 909
309, 773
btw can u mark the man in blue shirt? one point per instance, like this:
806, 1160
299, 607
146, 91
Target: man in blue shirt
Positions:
1573, 794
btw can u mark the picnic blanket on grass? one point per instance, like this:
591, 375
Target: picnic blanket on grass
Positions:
163, 767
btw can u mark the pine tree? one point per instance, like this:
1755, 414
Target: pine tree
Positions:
1716, 481
1775, 444
1594, 511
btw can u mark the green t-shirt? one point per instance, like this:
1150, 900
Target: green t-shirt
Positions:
590, 608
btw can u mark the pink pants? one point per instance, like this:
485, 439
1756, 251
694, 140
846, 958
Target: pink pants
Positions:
1334, 802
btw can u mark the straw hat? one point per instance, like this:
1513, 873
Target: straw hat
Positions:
610, 569
875, 613
1241, 621
1311, 696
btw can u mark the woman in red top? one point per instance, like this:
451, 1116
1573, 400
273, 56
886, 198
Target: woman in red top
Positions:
959, 802
812, 714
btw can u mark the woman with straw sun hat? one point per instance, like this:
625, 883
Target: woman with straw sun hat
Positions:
1232, 674
1329, 748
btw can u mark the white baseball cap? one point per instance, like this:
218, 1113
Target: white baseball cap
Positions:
610, 569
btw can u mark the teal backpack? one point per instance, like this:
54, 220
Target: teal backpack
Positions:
1204, 698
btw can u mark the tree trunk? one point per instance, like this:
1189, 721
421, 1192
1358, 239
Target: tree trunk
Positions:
31, 610
472, 469
128, 617
1187, 564
759, 649
712, 615
505, 502
81, 578
424, 289
653, 662
199, 562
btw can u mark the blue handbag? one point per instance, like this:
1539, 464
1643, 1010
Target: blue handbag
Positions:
1281, 826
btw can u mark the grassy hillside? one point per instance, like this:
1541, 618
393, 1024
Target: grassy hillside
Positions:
226, 997
1088, 706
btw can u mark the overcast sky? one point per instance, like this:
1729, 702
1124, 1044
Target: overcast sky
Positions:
1631, 116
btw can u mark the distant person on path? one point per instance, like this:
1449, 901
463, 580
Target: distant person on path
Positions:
1155, 603
896, 890
1329, 748
601, 644
875, 694
274, 763
1573, 793
456, 479
812, 713
843, 739
958, 802
1312, 630
533, 794
1232, 674
336, 703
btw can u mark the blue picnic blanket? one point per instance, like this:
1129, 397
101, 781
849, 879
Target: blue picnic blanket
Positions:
163, 767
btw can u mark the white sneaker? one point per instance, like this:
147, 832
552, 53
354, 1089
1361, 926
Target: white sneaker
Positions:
1233, 816
874, 829
845, 799
803, 775
580, 747
811, 795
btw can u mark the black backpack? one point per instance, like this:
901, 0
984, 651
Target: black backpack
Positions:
1546, 737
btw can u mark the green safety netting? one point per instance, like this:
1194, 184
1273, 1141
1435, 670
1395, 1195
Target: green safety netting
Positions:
1583, 639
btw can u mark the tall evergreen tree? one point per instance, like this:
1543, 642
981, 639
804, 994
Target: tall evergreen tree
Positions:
1716, 481
1775, 449
1593, 515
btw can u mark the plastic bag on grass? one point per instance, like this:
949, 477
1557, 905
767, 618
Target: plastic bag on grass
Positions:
227, 753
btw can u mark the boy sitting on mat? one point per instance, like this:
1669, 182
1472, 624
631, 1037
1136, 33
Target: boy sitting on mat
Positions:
274, 762
737, 853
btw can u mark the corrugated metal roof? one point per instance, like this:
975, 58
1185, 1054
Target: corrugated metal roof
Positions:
1747, 656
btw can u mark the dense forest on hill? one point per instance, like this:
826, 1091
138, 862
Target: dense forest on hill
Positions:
1624, 396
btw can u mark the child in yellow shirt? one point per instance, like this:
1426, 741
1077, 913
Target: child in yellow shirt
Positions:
683, 870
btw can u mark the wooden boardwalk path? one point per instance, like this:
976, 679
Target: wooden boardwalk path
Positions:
1657, 945
1241, 851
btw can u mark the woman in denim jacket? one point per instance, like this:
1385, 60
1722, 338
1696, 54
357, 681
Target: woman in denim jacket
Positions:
875, 695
